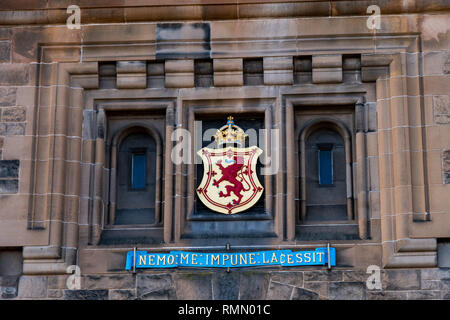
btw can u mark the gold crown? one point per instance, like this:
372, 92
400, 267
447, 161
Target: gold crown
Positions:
230, 133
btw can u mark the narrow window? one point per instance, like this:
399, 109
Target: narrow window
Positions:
325, 164
138, 171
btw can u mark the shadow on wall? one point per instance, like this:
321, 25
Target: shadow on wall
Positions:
11, 264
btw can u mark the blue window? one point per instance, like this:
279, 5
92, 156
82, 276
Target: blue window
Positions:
325, 167
138, 171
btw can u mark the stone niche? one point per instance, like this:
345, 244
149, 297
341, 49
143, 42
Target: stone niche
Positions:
90, 88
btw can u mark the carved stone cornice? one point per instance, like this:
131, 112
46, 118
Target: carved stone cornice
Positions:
121, 11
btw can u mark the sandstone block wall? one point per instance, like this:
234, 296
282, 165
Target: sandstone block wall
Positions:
275, 59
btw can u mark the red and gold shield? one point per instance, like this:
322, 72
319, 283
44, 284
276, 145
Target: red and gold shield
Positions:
230, 184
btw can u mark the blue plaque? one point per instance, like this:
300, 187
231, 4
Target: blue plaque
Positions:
284, 258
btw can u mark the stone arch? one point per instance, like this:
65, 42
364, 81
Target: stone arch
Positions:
114, 145
313, 126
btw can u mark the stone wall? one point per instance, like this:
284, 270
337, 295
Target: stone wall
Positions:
51, 131
12, 123
337, 284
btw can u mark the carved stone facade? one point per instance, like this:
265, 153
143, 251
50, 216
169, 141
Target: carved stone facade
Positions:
73, 100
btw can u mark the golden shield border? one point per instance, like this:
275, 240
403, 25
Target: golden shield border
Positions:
250, 155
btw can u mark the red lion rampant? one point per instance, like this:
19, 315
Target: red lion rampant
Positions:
230, 174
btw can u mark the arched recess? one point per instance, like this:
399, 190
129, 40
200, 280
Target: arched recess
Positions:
321, 141
135, 143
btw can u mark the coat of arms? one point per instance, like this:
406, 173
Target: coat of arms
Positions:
230, 184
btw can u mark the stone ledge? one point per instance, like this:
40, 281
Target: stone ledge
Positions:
238, 285
15, 12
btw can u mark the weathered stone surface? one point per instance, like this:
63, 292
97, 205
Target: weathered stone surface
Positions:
446, 178
122, 294
32, 287
225, 286
9, 186
279, 291
168, 34
25, 43
424, 295
8, 283
441, 109
89, 129
14, 74
193, 286
85, 295
400, 280
253, 72
290, 278
446, 172
5, 51
435, 274
430, 284
327, 75
9, 168
386, 295
163, 294
179, 73
58, 282
253, 285
12, 129
155, 74
278, 70
179, 66
446, 67
357, 275
303, 294
131, 74
445, 284
327, 68
8, 292
155, 286
346, 290
8, 96
54, 293
228, 72
118, 281
322, 275
327, 61
319, 287
15, 114
131, 66
203, 73
107, 75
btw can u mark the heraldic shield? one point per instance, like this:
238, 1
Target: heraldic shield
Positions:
230, 184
